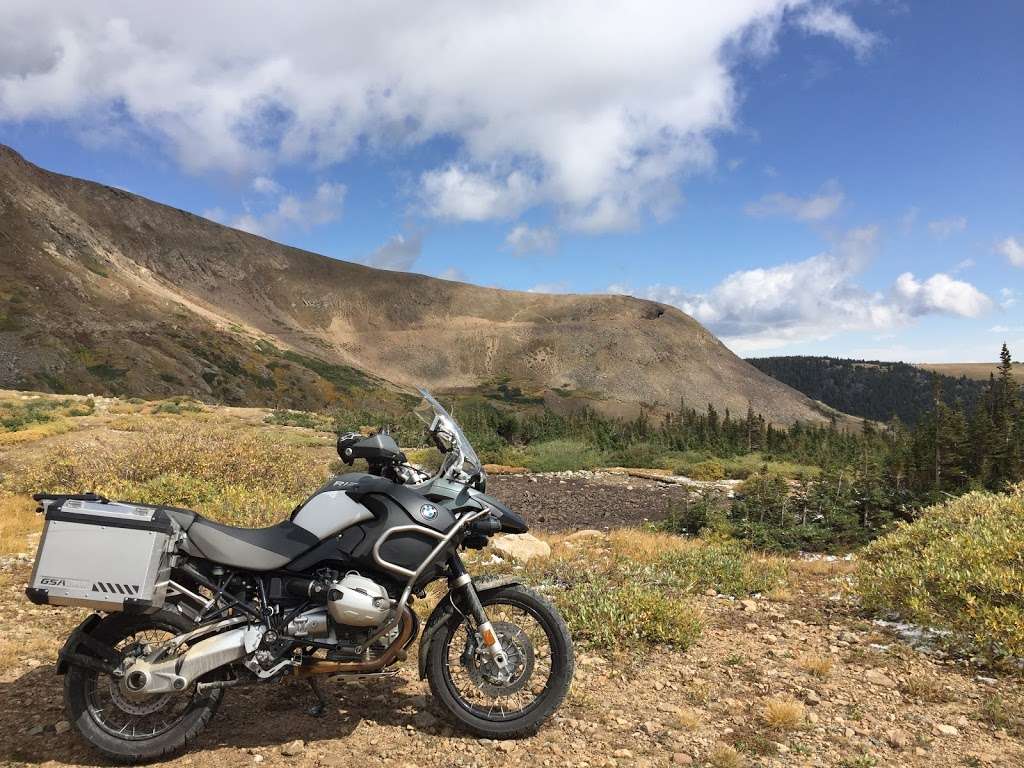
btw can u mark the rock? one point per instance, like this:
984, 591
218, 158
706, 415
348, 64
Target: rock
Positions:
622, 754
257, 758
897, 739
748, 605
587, 533
710, 593
506, 746
521, 546
681, 758
35, 730
946, 730
424, 720
293, 748
879, 678
62, 727
811, 697
849, 637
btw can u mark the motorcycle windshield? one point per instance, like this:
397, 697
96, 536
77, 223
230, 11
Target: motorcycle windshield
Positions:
470, 464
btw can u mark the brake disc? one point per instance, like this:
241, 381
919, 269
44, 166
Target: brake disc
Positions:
520, 655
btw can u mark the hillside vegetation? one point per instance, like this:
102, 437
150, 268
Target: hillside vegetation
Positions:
959, 567
873, 389
105, 292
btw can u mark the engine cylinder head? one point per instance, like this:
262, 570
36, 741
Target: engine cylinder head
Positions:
356, 601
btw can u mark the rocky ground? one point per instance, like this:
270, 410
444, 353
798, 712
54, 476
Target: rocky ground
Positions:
798, 680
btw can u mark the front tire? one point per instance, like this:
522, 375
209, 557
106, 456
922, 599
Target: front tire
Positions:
543, 660
145, 728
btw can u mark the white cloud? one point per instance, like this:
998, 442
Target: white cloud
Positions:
597, 109
826, 20
814, 299
963, 264
941, 293
1013, 250
549, 288
453, 273
943, 228
265, 186
814, 208
322, 207
1008, 297
398, 253
523, 239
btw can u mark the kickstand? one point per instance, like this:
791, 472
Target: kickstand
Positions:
320, 708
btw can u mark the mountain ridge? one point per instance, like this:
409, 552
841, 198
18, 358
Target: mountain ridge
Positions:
106, 291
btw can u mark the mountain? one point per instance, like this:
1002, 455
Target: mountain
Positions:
104, 291
870, 389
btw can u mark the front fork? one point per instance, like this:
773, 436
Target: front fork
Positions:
460, 581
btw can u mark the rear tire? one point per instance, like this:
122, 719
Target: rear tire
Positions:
81, 685
559, 656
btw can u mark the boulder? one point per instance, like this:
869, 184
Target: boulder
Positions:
521, 547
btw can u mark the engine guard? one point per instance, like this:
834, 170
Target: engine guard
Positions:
444, 611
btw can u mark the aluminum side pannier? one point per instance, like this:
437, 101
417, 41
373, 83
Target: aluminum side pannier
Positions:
104, 555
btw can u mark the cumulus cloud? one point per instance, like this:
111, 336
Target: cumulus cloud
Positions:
1013, 250
398, 253
943, 228
826, 20
322, 207
523, 239
816, 298
940, 293
597, 109
265, 186
817, 207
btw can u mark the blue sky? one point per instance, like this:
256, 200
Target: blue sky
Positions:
812, 177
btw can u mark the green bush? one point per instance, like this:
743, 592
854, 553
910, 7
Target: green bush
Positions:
959, 567
560, 455
711, 469
607, 614
709, 511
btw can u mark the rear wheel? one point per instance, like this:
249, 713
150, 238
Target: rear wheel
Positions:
540, 654
130, 727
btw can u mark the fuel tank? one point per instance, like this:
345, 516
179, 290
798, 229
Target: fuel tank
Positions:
350, 513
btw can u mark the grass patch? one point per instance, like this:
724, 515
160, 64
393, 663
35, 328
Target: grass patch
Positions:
18, 519
16, 415
232, 473
957, 568
557, 456
305, 419
783, 714
1002, 712
816, 666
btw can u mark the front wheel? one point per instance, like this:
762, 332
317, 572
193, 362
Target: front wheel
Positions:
540, 653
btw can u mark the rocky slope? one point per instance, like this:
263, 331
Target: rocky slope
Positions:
104, 291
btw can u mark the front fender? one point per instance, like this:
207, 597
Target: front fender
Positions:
444, 611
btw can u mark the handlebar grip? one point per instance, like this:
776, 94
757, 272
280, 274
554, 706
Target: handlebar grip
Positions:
486, 526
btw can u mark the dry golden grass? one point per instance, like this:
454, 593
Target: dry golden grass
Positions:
645, 546
18, 519
38, 432
926, 687
724, 756
687, 718
781, 595
783, 714
824, 567
816, 666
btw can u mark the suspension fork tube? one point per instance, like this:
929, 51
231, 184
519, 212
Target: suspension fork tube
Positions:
460, 581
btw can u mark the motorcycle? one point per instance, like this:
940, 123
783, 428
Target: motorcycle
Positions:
187, 608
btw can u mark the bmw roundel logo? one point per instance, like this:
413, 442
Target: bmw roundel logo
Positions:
428, 511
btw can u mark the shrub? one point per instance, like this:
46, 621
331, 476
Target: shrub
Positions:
711, 469
611, 614
816, 666
784, 714
560, 455
692, 516
957, 568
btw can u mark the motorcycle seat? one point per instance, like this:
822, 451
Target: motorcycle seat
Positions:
254, 549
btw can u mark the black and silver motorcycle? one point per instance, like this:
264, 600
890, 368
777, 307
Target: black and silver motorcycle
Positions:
187, 607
